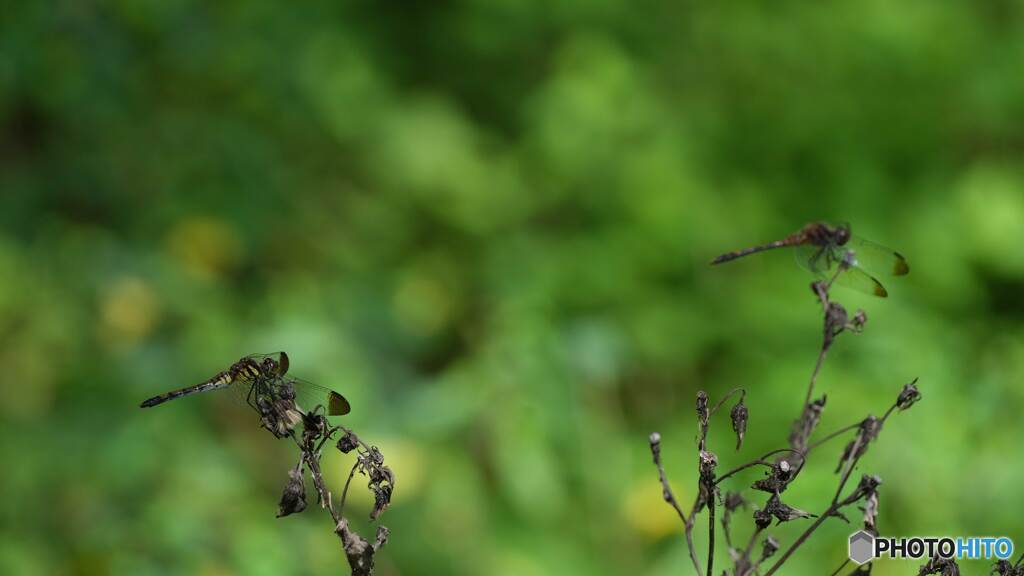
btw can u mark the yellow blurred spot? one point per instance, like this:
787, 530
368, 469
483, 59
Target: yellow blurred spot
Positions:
647, 513
205, 247
129, 311
513, 563
422, 303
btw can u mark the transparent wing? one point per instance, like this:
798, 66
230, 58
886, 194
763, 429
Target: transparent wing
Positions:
858, 279
308, 396
824, 262
817, 259
877, 258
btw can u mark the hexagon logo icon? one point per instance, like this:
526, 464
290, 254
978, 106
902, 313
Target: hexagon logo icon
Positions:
862, 545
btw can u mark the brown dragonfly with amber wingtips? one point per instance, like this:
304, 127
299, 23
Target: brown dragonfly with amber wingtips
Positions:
281, 400
832, 252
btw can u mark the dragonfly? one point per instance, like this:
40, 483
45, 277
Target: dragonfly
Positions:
832, 252
281, 400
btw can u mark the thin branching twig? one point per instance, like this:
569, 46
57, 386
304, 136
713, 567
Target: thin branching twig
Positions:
783, 470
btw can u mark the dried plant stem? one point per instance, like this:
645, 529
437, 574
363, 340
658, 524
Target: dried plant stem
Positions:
711, 534
814, 375
358, 550
668, 496
832, 509
835, 434
730, 394
847, 469
688, 524
782, 471
760, 461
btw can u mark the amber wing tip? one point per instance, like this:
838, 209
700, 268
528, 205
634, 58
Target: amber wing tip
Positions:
338, 405
901, 267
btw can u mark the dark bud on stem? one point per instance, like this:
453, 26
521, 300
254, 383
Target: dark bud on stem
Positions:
762, 518
867, 487
314, 423
908, 396
866, 433
708, 463
382, 481
293, 499
382, 538
858, 321
769, 547
739, 416
776, 479
784, 512
347, 443
702, 409
733, 500
871, 514
835, 322
804, 426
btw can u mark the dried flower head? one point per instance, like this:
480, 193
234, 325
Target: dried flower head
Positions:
858, 321
784, 512
776, 479
762, 518
908, 395
347, 443
708, 463
702, 409
871, 514
739, 415
769, 547
835, 322
866, 433
805, 425
733, 501
293, 498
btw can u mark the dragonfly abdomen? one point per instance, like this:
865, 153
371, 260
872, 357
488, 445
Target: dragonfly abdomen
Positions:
788, 241
221, 380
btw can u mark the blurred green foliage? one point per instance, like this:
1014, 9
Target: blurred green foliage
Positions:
488, 224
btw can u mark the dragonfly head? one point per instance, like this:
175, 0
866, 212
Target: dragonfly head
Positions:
842, 234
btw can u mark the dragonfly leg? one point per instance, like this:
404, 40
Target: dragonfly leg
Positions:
248, 397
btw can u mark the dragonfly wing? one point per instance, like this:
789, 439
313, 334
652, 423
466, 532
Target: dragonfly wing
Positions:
308, 396
877, 258
282, 364
858, 279
814, 258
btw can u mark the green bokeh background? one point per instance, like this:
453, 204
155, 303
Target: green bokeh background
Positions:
488, 224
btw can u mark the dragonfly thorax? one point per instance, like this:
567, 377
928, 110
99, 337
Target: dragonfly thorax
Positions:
821, 234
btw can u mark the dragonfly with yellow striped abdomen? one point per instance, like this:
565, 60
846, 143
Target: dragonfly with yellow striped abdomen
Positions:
281, 400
